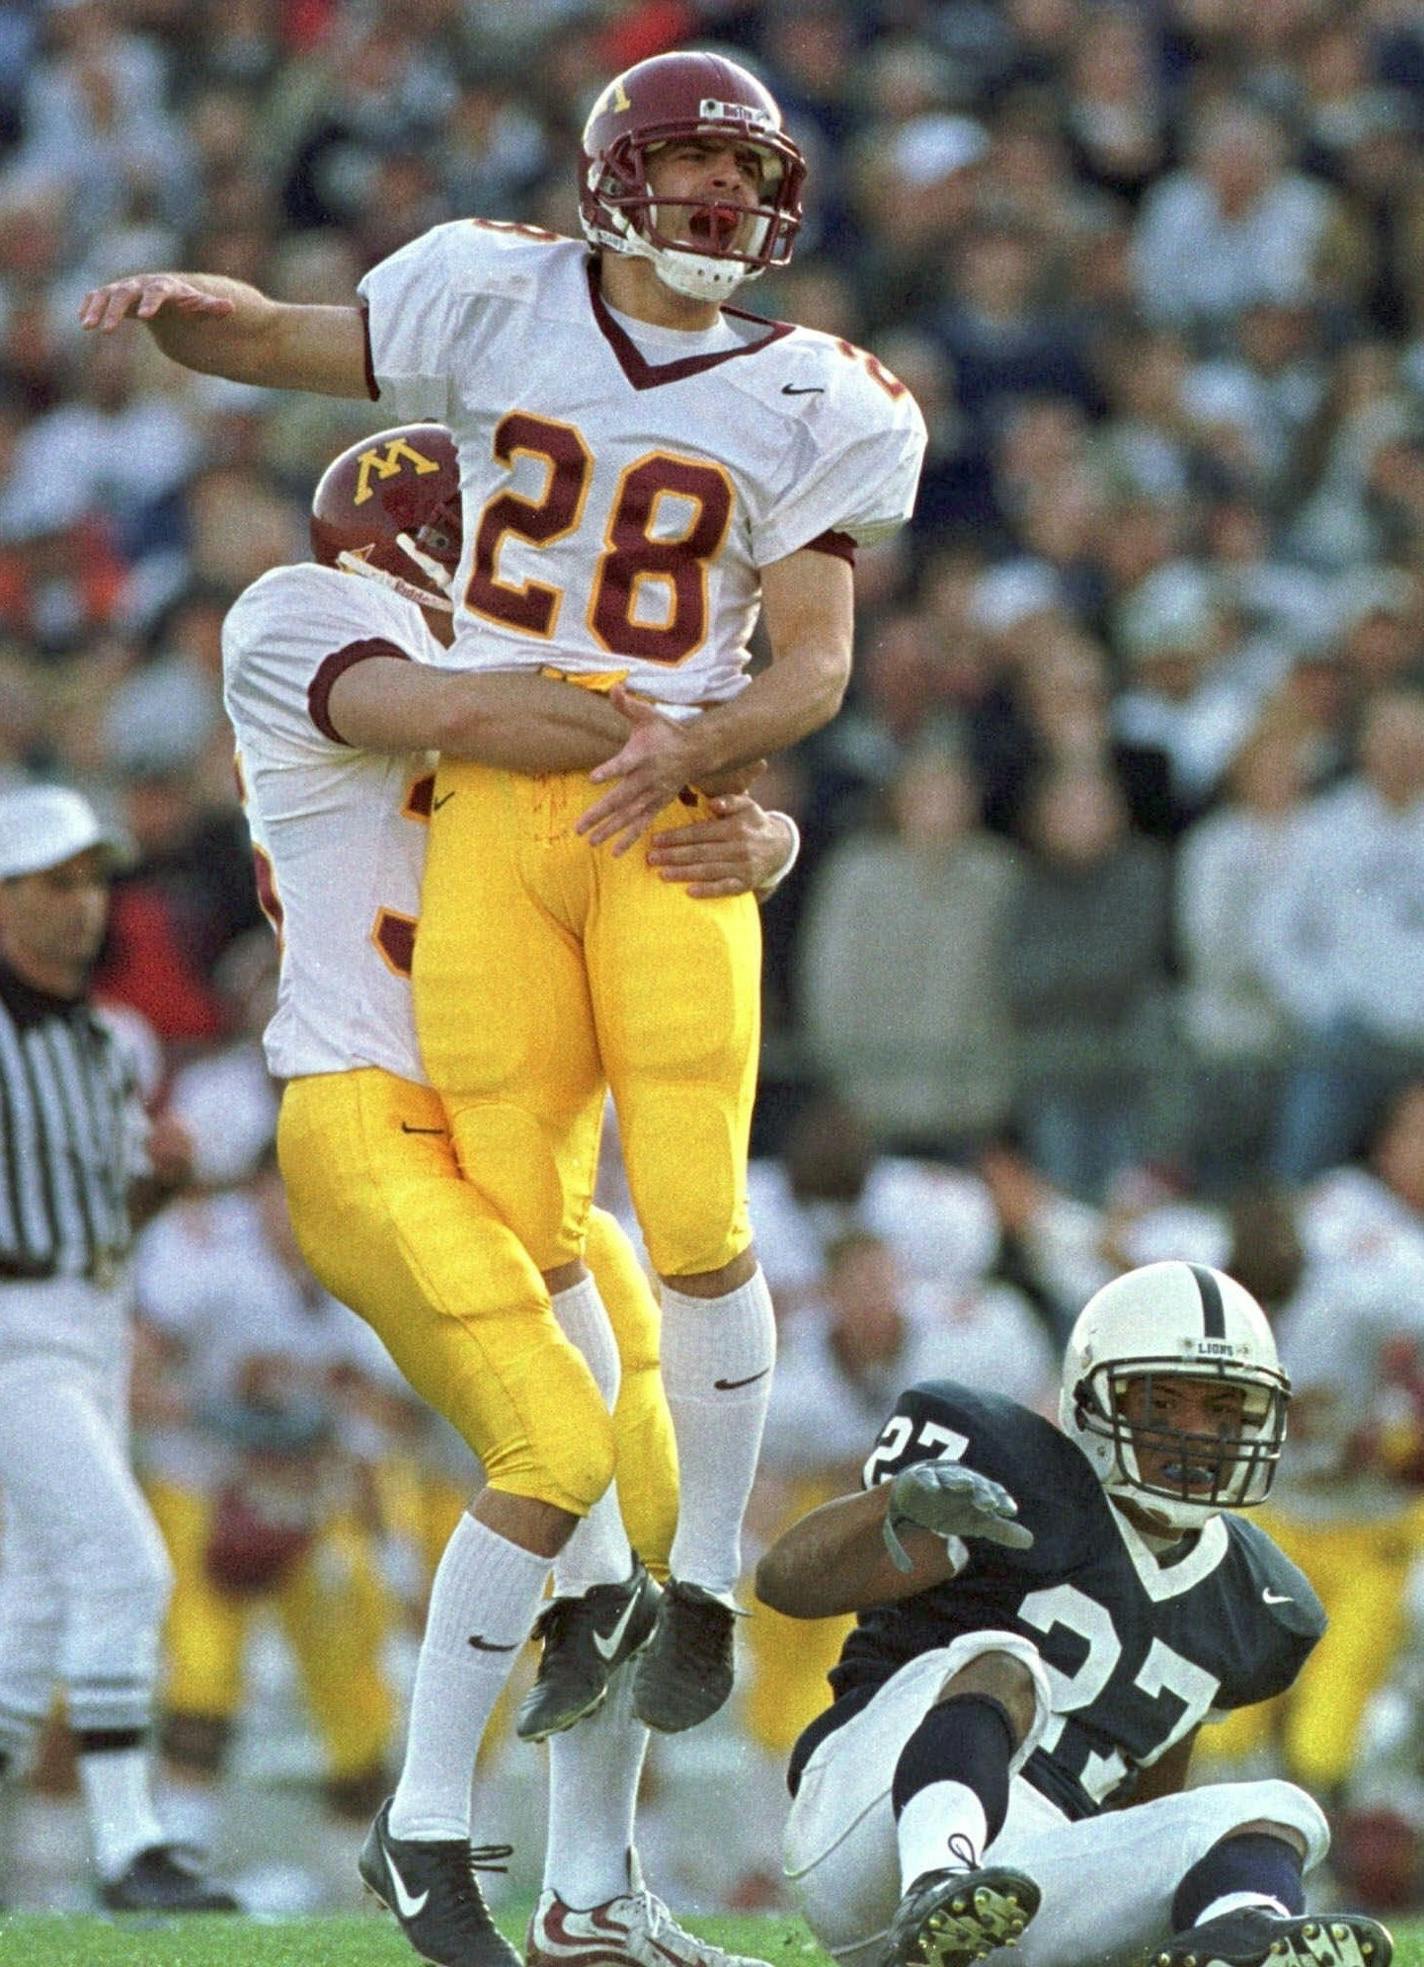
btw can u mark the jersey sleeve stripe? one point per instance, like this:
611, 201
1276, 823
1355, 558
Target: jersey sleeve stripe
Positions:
334, 666
373, 388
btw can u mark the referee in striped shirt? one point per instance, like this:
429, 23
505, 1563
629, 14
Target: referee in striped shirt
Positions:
84, 1576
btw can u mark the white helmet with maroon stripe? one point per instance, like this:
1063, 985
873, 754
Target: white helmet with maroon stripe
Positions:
1177, 1321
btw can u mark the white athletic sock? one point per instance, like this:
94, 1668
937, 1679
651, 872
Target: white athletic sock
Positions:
717, 1356
593, 1787
122, 1819
192, 1811
932, 1816
598, 1552
483, 1603
1235, 1901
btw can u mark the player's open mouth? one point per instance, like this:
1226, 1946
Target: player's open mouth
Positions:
715, 226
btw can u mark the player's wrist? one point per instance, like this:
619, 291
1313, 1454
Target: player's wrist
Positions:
785, 825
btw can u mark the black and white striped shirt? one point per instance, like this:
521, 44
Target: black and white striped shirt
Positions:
71, 1137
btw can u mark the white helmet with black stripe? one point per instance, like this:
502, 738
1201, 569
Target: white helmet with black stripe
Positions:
1175, 1321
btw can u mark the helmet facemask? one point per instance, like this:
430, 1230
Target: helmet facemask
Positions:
1183, 1477
621, 211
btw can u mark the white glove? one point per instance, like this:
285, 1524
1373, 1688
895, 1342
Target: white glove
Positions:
953, 1501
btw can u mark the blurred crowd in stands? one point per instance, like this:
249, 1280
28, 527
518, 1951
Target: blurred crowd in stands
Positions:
1107, 941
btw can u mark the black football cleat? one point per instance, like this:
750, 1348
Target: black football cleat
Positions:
585, 1641
431, 1892
166, 1878
1254, 1937
684, 1673
950, 1918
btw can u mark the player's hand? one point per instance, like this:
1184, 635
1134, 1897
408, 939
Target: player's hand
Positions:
142, 295
652, 768
736, 852
952, 1501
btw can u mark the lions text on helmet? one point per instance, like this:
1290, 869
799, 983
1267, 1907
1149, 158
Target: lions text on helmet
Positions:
1173, 1390
701, 246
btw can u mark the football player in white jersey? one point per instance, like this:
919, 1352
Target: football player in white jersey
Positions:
331, 686
643, 469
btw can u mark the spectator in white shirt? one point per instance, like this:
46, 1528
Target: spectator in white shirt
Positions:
1235, 227
1340, 944
1238, 1030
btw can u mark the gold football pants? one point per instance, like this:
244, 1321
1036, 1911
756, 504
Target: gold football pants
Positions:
547, 970
333, 1610
388, 1225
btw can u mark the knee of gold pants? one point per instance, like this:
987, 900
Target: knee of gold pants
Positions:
388, 1226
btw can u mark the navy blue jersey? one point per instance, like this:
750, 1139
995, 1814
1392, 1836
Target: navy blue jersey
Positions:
1138, 1647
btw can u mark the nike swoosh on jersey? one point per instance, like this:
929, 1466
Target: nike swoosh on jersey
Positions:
406, 1128
609, 1646
1277, 1597
409, 1903
486, 1646
810, 389
730, 1386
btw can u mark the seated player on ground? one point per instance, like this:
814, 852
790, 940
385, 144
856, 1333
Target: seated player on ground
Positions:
1046, 1619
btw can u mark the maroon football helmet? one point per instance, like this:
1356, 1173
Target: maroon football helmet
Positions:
674, 99
389, 508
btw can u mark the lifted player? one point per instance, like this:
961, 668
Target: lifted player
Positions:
334, 695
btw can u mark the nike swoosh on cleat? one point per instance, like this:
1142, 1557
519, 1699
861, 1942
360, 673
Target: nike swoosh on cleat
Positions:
609, 1646
410, 1904
730, 1386
485, 1646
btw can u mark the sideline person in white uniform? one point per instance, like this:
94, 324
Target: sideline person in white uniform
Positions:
84, 1576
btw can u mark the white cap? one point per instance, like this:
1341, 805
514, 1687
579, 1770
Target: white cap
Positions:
43, 826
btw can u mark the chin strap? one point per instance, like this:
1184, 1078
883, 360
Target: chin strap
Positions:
352, 563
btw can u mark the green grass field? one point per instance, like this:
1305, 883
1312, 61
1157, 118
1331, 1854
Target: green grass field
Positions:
351, 1940
361, 1940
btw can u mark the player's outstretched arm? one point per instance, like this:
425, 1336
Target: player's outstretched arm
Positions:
808, 604
836, 1560
514, 720
224, 327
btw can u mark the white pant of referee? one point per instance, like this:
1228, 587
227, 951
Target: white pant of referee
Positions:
84, 1575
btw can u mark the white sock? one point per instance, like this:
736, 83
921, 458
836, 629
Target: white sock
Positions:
1235, 1901
486, 1589
593, 1788
192, 1811
932, 1816
122, 1819
598, 1552
717, 1356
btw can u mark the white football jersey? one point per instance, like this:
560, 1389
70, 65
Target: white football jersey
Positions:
339, 834
623, 484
